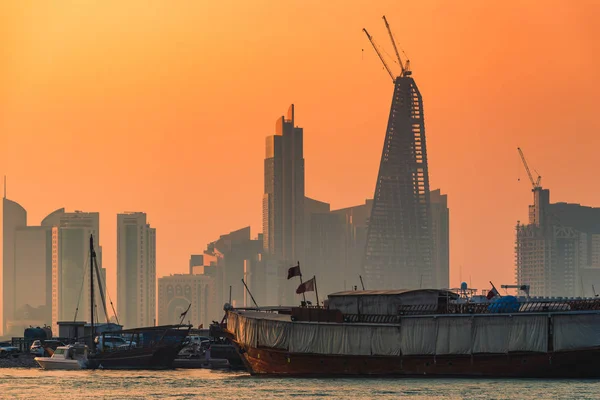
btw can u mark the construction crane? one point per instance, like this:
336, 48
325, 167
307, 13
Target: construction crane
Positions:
404, 71
387, 68
535, 183
524, 288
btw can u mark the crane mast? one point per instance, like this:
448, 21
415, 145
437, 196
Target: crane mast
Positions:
535, 183
394, 44
524, 288
387, 68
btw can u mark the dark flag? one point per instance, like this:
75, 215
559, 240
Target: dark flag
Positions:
492, 293
294, 271
308, 286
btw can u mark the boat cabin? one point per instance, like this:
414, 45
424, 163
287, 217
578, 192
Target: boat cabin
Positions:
388, 302
71, 352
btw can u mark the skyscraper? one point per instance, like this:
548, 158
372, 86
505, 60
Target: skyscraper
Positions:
399, 249
558, 252
71, 266
283, 201
13, 217
440, 231
33, 275
136, 270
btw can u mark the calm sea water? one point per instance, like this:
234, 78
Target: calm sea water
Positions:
205, 384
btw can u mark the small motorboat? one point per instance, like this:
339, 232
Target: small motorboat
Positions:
65, 357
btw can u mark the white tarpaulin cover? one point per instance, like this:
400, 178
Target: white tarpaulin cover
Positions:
528, 333
232, 322
240, 329
346, 304
576, 331
454, 335
331, 339
274, 334
374, 302
385, 340
247, 330
414, 336
490, 334
358, 339
304, 338
418, 335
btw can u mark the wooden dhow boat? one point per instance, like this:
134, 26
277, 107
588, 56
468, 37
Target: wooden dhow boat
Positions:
425, 332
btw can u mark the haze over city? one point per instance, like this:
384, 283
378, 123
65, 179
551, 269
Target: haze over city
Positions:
147, 106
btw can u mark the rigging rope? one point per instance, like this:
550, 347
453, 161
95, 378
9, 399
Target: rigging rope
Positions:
81, 290
101, 289
103, 298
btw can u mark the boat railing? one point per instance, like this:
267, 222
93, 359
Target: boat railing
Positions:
501, 307
146, 337
478, 308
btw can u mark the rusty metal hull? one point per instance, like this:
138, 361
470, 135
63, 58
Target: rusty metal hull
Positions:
567, 364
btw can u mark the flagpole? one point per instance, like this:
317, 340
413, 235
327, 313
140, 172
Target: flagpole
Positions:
316, 291
248, 290
303, 295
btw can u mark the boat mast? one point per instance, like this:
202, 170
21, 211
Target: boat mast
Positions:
92, 257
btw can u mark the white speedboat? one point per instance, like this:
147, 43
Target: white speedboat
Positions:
65, 357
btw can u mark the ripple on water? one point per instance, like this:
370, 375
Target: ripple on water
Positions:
198, 384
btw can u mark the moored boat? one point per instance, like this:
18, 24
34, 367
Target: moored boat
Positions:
154, 347
422, 332
69, 357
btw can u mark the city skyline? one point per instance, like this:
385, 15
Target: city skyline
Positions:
472, 126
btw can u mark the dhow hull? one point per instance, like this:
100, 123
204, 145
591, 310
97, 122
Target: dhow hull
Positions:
567, 364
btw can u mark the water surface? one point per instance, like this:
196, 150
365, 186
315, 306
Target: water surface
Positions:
21, 383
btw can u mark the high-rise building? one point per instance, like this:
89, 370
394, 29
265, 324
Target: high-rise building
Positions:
231, 258
558, 252
283, 200
71, 266
136, 270
33, 279
355, 220
32, 276
335, 244
13, 217
177, 292
440, 231
399, 249
196, 264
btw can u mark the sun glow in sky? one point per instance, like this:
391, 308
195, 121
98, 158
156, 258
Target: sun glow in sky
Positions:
163, 107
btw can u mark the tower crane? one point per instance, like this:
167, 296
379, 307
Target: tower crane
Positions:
404, 69
535, 183
524, 288
387, 68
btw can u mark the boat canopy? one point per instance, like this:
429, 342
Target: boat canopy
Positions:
386, 302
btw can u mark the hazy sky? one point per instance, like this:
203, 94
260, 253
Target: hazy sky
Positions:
164, 106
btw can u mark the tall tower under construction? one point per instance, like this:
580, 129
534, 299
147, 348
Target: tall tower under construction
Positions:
399, 247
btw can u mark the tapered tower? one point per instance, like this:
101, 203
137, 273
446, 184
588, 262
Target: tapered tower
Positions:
399, 246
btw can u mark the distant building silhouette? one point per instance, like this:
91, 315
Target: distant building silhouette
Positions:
283, 200
177, 292
335, 244
33, 275
196, 264
440, 230
71, 266
399, 249
13, 217
27, 269
558, 252
136, 270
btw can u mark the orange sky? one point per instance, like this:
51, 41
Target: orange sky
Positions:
163, 107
